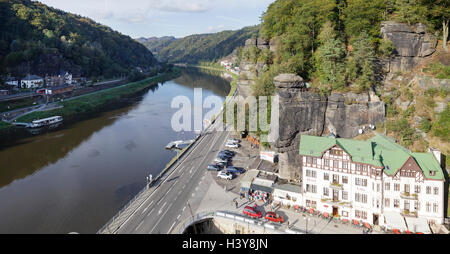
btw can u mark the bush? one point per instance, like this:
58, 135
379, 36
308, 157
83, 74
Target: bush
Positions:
425, 125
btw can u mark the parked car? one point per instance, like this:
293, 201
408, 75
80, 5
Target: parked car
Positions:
232, 140
222, 164
218, 159
235, 170
232, 145
232, 153
224, 155
252, 212
273, 217
212, 167
225, 175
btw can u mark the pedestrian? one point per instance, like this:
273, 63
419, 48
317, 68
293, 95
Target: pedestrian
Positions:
288, 224
236, 203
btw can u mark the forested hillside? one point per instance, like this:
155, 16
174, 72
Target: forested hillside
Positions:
336, 44
200, 47
156, 44
39, 39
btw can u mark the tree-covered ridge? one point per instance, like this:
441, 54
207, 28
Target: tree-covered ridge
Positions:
39, 39
203, 47
336, 43
156, 44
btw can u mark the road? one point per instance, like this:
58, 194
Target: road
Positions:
167, 205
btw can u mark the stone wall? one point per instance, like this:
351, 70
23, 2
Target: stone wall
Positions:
305, 112
411, 45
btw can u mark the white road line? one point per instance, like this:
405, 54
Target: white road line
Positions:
160, 211
140, 224
150, 212
184, 208
178, 217
168, 232
148, 206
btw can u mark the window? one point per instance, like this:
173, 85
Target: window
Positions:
311, 173
428, 205
396, 203
428, 190
364, 168
309, 160
326, 191
345, 164
406, 205
327, 162
344, 179
335, 164
335, 178
417, 205
397, 187
336, 152
326, 176
344, 214
378, 187
435, 207
417, 189
406, 188
345, 195
436, 191
361, 182
311, 188
314, 161
360, 214
358, 168
387, 186
361, 198
387, 202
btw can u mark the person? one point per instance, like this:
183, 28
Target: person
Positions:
236, 203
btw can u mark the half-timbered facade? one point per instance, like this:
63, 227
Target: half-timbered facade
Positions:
360, 180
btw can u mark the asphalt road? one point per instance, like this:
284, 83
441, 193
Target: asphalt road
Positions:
168, 204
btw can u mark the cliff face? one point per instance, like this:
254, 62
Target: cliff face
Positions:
303, 112
411, 45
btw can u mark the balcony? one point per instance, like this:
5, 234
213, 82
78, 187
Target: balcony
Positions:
407, 195
407, 213
336, 202
336, 186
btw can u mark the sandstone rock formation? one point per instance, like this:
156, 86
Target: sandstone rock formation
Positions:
411, 44
305, 112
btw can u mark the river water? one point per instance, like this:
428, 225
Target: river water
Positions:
75, 179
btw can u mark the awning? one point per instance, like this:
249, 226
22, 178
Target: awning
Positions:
418, 225
395, 221
257, 187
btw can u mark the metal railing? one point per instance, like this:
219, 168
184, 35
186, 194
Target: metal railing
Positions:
160, 175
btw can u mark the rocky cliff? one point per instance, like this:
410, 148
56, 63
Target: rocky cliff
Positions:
411, 45
304, 112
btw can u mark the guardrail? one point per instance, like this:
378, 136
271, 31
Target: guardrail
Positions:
235, 217
162, 173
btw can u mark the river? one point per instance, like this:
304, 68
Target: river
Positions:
78, 177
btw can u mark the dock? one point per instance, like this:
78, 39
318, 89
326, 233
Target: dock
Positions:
178, 144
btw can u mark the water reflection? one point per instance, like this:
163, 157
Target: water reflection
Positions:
77, 178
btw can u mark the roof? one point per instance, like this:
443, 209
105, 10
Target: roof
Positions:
418, 225
288, 187
31, 77
378, 151
258, 187
247, 179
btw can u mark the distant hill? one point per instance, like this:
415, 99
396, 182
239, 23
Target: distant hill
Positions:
39, 39
199, 47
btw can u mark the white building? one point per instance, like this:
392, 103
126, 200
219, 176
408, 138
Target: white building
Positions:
32, 81
12, 81
375, 181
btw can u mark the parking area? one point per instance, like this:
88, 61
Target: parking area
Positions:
245, 157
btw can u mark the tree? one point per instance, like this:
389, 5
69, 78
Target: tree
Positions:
361, 64
363, 15
330, 56
438, 14
410, 11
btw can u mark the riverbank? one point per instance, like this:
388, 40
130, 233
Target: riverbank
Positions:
74, 109
233, 83
87, 106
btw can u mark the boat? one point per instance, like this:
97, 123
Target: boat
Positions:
50, 121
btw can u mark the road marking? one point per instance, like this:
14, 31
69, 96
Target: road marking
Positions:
148, 206
160, 211
168, 232
150, 212
178, 216
184, 208
140, 224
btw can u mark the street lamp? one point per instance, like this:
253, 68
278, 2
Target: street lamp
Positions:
306, 219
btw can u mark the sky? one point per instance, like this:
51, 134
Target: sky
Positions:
179, 18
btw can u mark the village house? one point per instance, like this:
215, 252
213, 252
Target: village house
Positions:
58, 89
375, 181
12, 81
58, 80
32, 81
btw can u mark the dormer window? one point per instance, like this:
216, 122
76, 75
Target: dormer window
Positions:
432, 173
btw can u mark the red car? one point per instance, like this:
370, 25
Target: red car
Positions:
271, 216
250, 211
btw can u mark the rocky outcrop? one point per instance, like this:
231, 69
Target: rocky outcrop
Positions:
411, 44
305, 112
